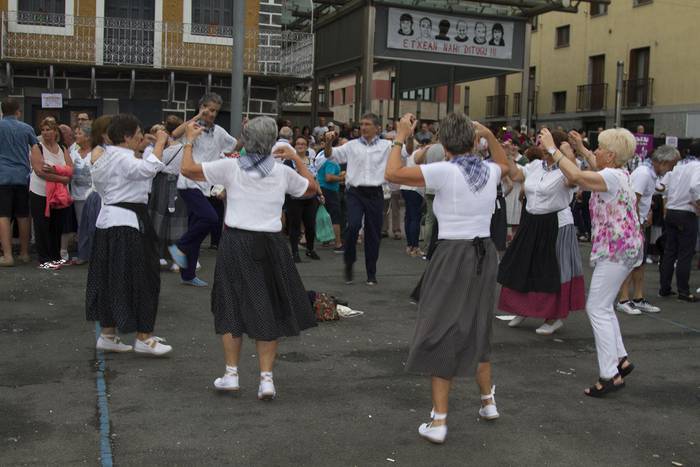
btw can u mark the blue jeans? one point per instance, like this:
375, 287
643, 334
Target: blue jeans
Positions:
414, 203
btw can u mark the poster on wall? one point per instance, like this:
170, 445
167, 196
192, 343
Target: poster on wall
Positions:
645, 145
444, 34
51, 100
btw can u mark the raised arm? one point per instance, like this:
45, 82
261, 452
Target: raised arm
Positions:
181, 130
395, 171
189, 168
577, 141
338, 154
587, 180
287, 153
498, 154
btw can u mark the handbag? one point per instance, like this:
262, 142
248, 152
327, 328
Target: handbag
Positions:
325, 306
324, 226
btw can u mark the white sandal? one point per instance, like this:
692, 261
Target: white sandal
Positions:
489, 412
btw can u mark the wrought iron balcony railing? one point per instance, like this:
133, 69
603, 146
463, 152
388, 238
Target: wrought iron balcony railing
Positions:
51, 38
496, 106
516, 104
592, 97
638, 92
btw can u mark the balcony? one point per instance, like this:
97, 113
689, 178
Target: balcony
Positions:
516, 104
592, 97
52, 38
496, 106
638, 93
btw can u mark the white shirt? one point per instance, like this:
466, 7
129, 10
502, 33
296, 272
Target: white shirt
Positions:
37, 185
119, 177
547, 191
683, 186
644, 184
81, 182
172, 158
461, 213
366, 162
208, 147
254, 202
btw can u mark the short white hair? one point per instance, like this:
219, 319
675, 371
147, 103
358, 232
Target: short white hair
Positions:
619, 141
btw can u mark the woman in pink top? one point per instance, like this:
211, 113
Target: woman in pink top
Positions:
617, 246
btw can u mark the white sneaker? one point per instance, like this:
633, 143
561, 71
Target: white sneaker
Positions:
198, 267
643, 305
152, 346
489, 412
174, 268
515, 322
266, 390
112, 344
228, 382
549, 329
434, 434
627, 308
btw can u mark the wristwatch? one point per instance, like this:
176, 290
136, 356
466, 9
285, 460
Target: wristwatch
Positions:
552, 151
397, 143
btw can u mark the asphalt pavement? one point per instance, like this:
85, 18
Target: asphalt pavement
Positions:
343, 396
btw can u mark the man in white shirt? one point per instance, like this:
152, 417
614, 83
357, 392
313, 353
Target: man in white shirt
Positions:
366, 158
320, 130
210, 146
644, 181
682, 207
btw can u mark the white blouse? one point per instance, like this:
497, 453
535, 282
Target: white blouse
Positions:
254, 202
81, 182
461, 213
37, 185
119, 177
210, 146
547, 191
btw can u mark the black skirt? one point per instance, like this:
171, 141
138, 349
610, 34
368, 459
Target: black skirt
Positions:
123, 283
530, 262
257, 288
167, 210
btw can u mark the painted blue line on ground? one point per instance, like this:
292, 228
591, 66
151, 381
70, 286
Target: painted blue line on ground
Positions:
103, 406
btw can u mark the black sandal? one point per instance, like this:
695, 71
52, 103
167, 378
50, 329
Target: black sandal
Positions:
626, 370
608, 385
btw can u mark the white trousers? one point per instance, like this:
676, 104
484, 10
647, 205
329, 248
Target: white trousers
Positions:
602, 294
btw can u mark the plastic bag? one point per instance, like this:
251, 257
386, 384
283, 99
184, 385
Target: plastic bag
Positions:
324, 226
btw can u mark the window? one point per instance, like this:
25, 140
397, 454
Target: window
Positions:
343, 96
422, 94
562, 37
559, 102
599, 9
212, 17
41, 12
642, 2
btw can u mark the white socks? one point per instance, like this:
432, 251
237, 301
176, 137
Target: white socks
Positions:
231, 370
265, 374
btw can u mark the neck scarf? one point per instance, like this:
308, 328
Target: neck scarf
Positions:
549, 168
475, 171
263, 163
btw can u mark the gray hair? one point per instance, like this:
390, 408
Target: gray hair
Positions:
259, 135
286, 133
457, 134
211, 97
666, 153
373, 117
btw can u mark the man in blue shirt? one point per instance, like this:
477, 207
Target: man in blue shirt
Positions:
17, 139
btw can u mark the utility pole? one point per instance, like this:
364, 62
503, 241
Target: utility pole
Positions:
237, 66
618, 94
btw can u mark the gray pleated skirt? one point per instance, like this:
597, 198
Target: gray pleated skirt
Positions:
455, 312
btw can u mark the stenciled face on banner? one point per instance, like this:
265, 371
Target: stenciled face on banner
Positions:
454, 35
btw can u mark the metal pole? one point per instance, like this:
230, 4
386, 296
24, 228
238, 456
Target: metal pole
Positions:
525, 100
450, 92
397, 91
368, 58
237, 65
618, 94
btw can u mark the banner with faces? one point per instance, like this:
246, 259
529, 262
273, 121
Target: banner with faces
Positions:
454, 35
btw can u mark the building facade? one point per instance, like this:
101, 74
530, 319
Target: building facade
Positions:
572, 77
150, 57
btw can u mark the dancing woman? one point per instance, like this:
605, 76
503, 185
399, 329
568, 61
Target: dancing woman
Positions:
453, 330
257, 289
541, 272
618, 245
123, 280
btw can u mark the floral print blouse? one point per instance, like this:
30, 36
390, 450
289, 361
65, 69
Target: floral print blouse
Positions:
617, 234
